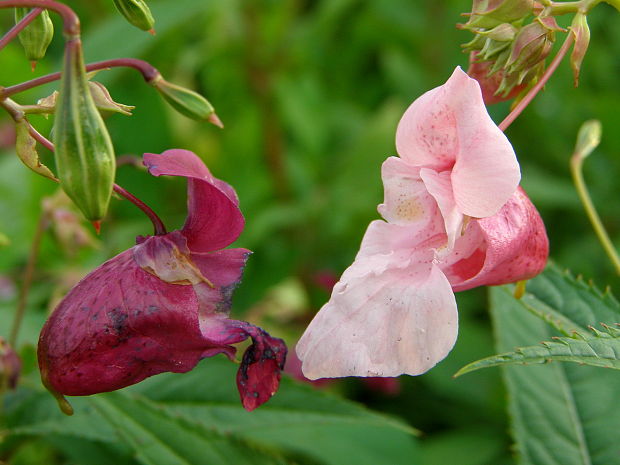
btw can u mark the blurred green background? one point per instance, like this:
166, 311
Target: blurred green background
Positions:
310, 93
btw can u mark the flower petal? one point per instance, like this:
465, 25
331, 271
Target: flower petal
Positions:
119, 325
427, 134
214, 219
406, 199
439, 185
507, 247
400, 320
449, 128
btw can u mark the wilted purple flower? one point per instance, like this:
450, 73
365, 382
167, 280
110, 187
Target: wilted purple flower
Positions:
162, 305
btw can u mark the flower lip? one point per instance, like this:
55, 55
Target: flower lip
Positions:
214, 220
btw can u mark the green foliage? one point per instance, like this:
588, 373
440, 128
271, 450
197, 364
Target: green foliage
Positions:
166, 420
600, 349
561, 413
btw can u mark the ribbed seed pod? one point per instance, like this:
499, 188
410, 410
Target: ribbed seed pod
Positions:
84, 153
36, 37
136, 12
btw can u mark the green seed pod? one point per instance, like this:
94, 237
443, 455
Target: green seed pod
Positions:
137, 13
84, 153
36, 37
185, 101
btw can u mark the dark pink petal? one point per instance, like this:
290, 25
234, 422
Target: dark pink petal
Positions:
214, 219
258, 377
507, 247
119, 325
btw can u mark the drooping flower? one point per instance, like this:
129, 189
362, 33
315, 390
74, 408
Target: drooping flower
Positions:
162, 305
454, 218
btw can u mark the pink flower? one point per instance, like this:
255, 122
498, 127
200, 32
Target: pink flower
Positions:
163, 304
454, 219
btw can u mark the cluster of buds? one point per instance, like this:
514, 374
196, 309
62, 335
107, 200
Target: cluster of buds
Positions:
508, 53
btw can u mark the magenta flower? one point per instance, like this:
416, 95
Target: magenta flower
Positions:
454, 219
163, 304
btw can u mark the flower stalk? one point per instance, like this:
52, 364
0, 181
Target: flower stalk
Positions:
539, 85
587, 140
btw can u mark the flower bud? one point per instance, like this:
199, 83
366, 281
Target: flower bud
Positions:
84, 151
532, 45
36, 37
26, 149
137, 13
491, 13
579, 28
10, 366
185, 101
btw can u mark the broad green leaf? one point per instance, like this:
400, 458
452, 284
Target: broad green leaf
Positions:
600, 349
562, 414
299, 419
161, 437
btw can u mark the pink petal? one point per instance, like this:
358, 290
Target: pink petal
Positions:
439, 185
214, 219
427, 134
449, 128
507, 247
406, 201
400, 320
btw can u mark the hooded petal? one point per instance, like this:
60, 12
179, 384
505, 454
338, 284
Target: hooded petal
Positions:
388, 323
119, 325
449, 128
507, 247
214, 219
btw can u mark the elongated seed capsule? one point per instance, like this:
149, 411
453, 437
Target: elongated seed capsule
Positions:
137, 13
84, 153
36, 37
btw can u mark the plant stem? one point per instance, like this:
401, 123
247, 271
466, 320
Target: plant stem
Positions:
70, 21
576, 164
148, 72
563, 8
158, 225
20, 26
27, 279
539, 85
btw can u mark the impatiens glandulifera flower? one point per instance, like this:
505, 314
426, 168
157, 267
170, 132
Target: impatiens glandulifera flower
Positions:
162, 305
454, 220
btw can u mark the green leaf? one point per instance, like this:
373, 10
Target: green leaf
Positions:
161, 437
600, 349
561, 413
298, 420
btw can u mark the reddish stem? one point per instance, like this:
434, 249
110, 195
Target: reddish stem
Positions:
539, 85
70, 21
158, 225
20, 26
148, 72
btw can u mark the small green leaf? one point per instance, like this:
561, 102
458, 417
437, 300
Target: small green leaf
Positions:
600, 349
